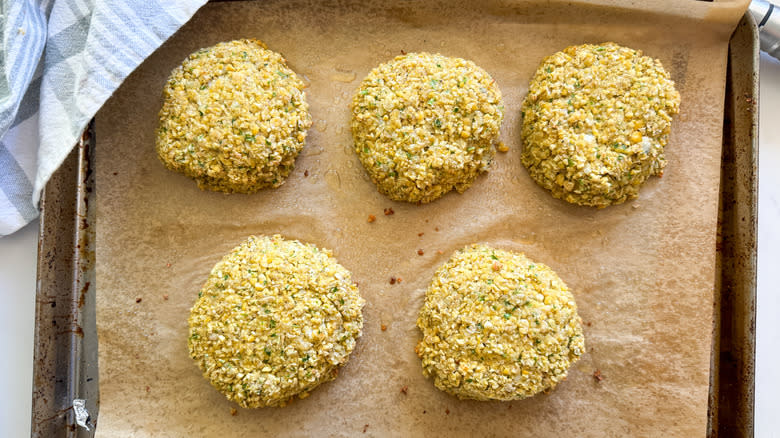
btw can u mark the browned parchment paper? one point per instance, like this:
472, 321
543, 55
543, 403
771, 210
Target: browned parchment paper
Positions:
642, 273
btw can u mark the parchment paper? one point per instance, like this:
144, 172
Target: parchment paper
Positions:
642, 273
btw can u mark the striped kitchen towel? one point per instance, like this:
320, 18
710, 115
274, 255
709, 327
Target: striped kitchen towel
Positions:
59, 62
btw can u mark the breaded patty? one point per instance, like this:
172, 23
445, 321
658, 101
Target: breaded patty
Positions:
425, 124
234, 118
496, 325
595, 123
275, 319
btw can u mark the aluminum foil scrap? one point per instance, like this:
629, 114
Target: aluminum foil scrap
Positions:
82, 415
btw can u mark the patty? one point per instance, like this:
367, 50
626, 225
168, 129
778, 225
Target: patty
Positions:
595, 123
275, 319
425, 124
234, 117
498, 326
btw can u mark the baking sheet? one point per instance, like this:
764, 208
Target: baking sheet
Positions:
642, 273
732, 393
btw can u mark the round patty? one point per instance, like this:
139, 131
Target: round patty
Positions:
234, 118
595, 123
274, 320
497, 326
425, 124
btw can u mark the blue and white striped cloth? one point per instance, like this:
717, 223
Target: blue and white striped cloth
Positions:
59, 62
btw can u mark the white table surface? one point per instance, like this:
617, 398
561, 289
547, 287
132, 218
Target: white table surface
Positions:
18, 268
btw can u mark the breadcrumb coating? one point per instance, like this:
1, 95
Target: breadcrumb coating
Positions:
496, 325
425, 124
275, 319
234, 118
595, 123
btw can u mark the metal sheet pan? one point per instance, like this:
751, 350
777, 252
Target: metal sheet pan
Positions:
65, 353
65, 359
732, 374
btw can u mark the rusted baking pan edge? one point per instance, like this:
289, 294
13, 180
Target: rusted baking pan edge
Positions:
732, 375
65, 352
65, 355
